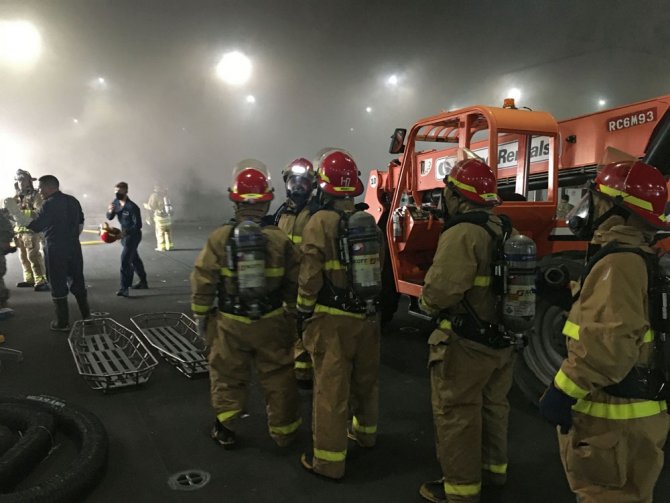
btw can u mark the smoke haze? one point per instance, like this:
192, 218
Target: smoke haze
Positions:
162, 116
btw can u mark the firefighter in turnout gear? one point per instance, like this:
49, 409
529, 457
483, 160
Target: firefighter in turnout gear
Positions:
470, 362
28, 242
611, 425
249, 273
6, 236
341, 327
161, 207
292, 217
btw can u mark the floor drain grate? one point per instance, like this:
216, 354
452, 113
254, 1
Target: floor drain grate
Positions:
189, 480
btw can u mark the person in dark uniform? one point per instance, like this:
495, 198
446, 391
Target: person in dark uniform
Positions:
130, 219
61, 220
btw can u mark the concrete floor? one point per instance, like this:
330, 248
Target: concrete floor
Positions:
162, 427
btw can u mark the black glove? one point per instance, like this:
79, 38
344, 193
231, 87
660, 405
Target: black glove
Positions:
9, 250
556, 407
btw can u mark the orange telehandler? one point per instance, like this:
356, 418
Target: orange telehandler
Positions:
533, 155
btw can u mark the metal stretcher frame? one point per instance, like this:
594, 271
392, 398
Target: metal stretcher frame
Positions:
109, 355
176, 338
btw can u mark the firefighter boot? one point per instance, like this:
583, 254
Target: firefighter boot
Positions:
223, 436
62, 322
433, 491
84, 309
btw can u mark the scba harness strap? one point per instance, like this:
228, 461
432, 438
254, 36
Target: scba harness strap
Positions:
345, 299
233, 303
469, 325
645, 382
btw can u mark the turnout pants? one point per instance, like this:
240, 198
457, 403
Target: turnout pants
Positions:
617, 460
29, 244
266, 344
303, 361
469, 384
345, 354
131, 262
163, 226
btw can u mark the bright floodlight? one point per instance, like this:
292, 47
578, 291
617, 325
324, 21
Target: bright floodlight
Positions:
20, 43
13, 153
101, 80
602, 102
76, 121
393, 80
234, 68
251, 99
368, 109
514, 93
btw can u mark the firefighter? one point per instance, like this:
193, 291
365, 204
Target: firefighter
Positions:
6, 236
62, 221
28, 242
341, 333
471, 371
161, 206
251, 272
291, 217
611, 425
130, 219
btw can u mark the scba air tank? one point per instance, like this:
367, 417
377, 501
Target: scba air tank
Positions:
250, 248
364, 246
519, 297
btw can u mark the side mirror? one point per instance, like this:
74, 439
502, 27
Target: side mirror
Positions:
397, 141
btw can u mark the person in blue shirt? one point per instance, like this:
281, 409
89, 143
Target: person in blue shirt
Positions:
61, 220
128, 214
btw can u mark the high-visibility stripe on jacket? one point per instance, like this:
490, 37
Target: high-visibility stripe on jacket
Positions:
211, 277
461, 269
608, 332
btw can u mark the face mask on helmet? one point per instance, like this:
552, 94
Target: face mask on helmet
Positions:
591, 212
298, 188
449, 204
580, 218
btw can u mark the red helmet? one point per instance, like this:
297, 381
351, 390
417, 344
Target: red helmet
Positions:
638, 186
251, 182
338, 174
474, 181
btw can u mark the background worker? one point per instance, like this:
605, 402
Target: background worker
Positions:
6, 236
341, 333
161, 207
291, 217
470, 373
128, 214
251, 272
28, 242
564, 207
612, 423
61, 220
